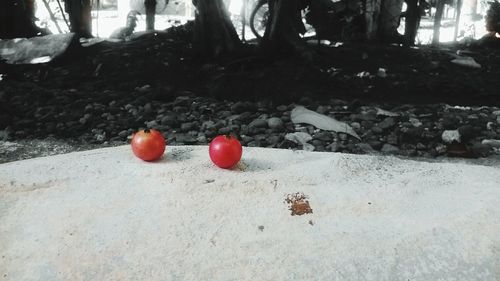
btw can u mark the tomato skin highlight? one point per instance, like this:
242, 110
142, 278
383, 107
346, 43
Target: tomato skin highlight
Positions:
225, 151
148, 145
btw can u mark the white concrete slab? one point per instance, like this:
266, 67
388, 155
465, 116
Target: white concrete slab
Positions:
105, 215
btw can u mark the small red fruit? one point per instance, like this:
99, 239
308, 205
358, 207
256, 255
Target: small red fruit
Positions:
148, 145
225, 151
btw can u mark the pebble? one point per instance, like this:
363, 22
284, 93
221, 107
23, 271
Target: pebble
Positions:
450, 136
387, 123
375, 144
356, 126
274, 140
185, 138
450, 122
491, 142
377, 130
392, 139
389, 149
224, 131
323, 136
466, 132
421, 146
481, 150
365, 147
258, 123
282, 108
187, 126
246, 139
275, 123
151, 124
169, 120
441, 149
239, 107
415, 122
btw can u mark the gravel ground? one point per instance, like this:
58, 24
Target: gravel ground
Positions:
406, 130
98, 96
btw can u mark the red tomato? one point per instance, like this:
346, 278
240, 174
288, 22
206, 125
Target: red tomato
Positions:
225, 151
148, 145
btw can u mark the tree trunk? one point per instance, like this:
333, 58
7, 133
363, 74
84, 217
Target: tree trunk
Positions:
372, 12
80, 17
390, 12
17, 19
457, 19
412, 21
284, 27
437, 21
150, 6
214, 33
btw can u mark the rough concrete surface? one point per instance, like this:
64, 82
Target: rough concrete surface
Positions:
106, 215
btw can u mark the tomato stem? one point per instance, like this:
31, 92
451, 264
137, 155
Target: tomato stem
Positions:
147, 131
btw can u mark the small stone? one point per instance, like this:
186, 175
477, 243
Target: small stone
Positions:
246, 139
201, 139
182, 101
100, 137
148, 108
275, 123
450, 136
366, 116
123, 134
322, 109
184, 138
253, 143
356, 126
421, 146
392, 139
492, 142
342, 136
415, 122
144, 88
208, 125
151, 124
441, 149
365, 147
377, 130
428, 135
282, 108
246, 116
333, 147
466, 132
323, 136
233, 118
258, 123
317, 143
481, 150
375, 144
450, 122
473, 117
169, 120
389, 149
225, 114
239, 107
274, 140
224, 130
187, 126
387, 123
